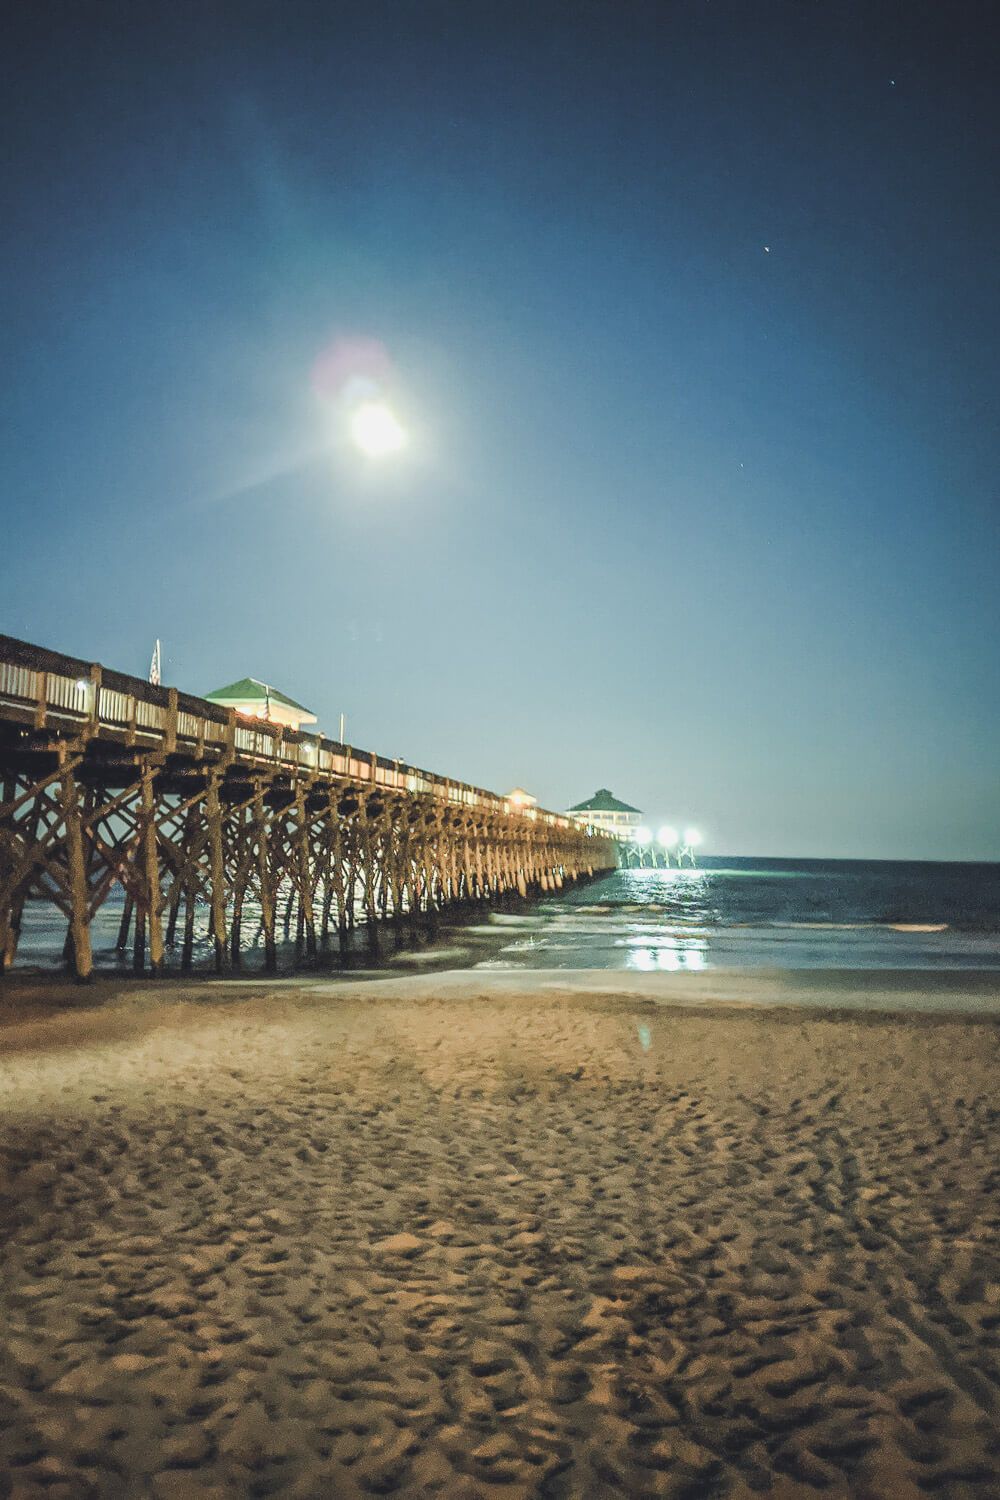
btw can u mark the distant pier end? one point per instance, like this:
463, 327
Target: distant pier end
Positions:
637, 847
606, 814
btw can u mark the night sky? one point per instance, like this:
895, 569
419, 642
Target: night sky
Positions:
690, 311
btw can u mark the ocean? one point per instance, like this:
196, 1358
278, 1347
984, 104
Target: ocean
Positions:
728, 913
768, 913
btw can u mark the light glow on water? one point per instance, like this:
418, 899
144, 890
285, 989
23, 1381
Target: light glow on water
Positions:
728, 914
669, 955
783, 914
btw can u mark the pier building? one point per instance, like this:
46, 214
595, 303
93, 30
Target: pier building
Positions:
258, 700
605, 812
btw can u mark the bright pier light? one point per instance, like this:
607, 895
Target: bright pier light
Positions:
376, 430
692, 837
643, 837
667, 836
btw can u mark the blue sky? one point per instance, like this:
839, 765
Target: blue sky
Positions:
691, 313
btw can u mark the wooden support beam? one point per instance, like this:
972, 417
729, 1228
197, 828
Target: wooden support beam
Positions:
151, 871
139, 941
306, 885
125, 923
337, 856
12, 890
11, 912
8, 931
267, 899
173, 911
79, 922
368, 836
187, 951
216, 872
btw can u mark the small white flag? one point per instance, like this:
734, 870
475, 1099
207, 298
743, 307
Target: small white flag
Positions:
154, 666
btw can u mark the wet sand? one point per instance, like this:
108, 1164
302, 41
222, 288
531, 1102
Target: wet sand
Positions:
488, 1236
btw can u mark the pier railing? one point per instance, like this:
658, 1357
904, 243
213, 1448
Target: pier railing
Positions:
52, 691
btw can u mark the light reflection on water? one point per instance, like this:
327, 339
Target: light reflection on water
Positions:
686, 895
787, 914
774, 913
667, 956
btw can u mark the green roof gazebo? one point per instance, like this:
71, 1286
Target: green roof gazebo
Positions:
604, 810
258, 700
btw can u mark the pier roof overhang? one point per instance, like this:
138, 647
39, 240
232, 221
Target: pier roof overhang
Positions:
250, 690
603, 801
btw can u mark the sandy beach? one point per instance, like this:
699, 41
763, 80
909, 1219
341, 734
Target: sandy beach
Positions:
458, 1236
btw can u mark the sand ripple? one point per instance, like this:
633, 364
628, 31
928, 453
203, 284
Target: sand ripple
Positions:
533, 1247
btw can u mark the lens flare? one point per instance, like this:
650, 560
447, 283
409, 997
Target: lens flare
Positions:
350, 366
692, 837
667, 836
642, 837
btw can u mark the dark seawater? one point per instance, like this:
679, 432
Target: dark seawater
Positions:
773, 913
728, 913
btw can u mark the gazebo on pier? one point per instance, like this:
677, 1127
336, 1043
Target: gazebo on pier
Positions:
258, 700
605, 812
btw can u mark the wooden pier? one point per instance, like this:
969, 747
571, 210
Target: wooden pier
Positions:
109, 782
